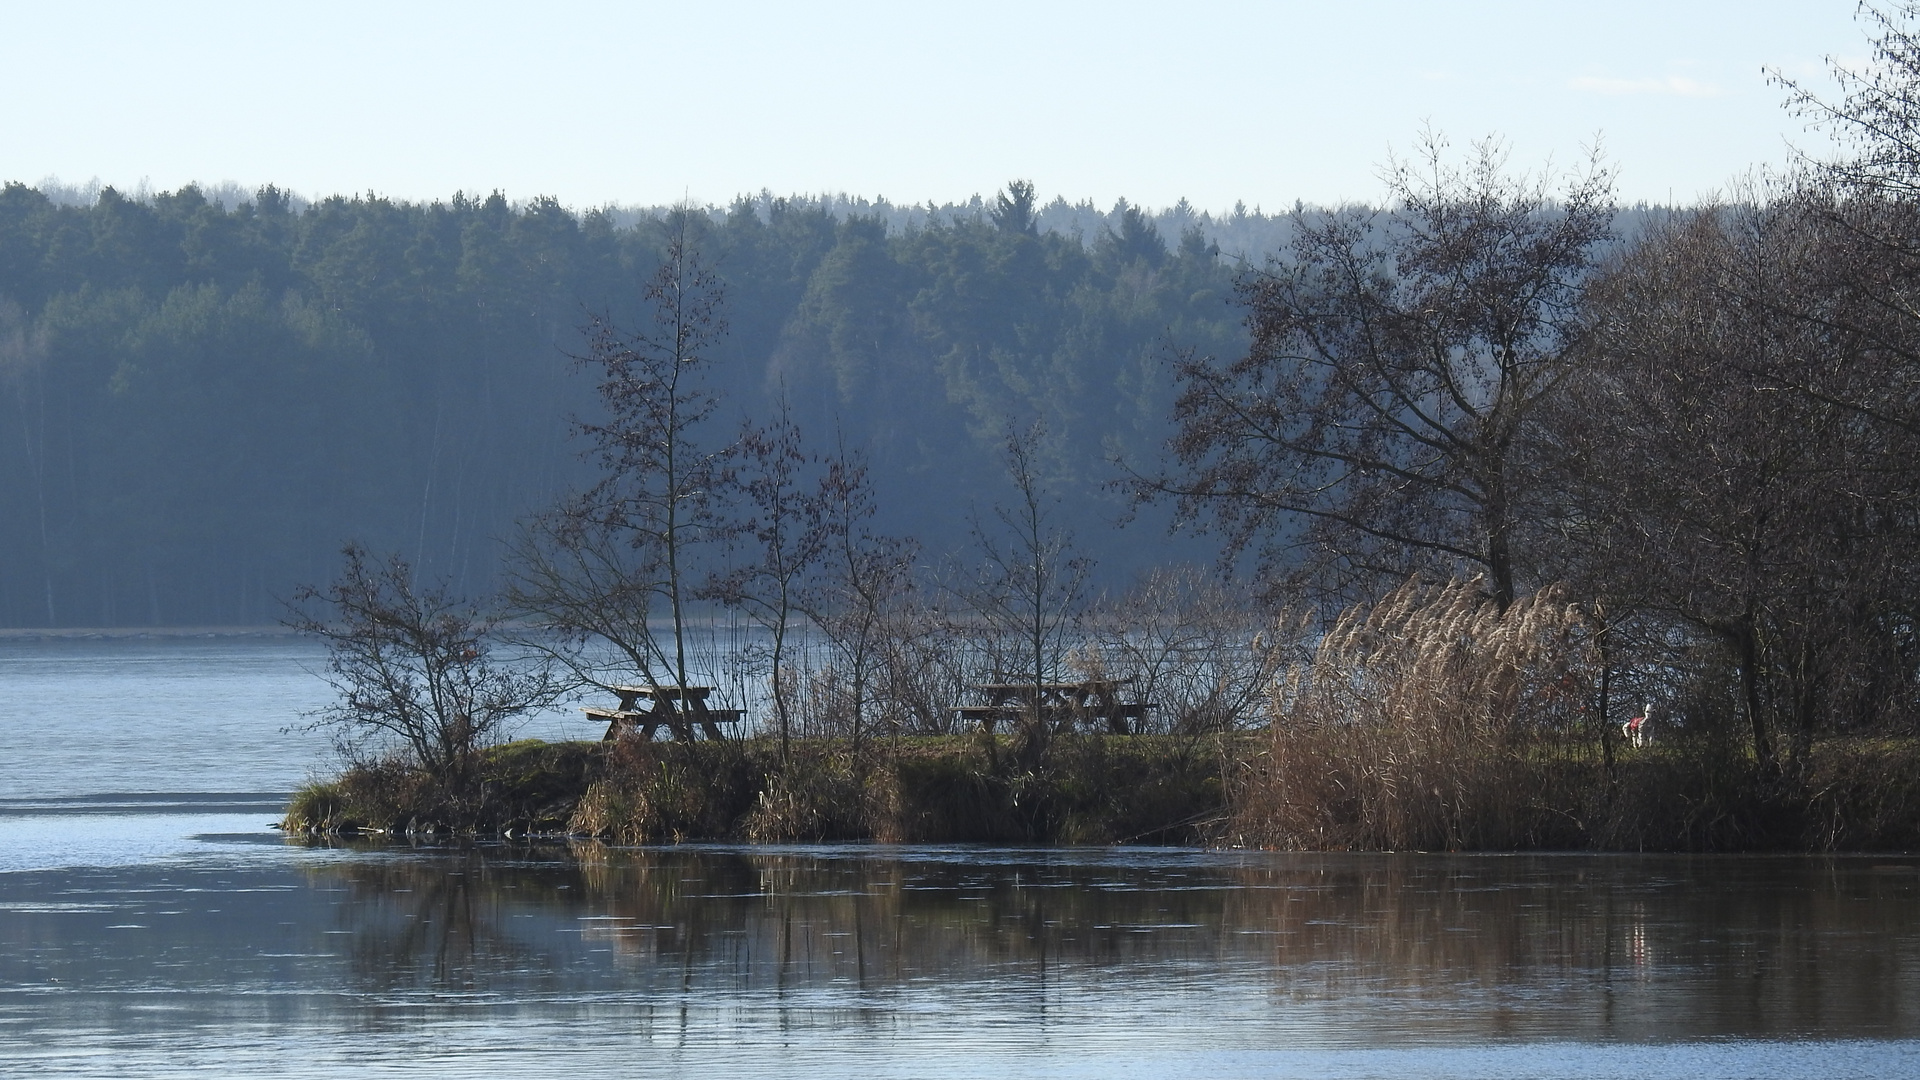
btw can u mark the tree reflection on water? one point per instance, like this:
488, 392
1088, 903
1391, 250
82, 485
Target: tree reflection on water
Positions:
1479, 946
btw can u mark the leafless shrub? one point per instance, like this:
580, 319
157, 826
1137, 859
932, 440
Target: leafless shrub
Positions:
908, 671
1182, 641
417, 684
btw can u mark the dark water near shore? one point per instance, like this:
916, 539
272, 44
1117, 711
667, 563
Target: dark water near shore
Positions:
167, 930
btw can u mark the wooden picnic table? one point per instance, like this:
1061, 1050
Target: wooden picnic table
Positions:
680, 709
1061, 704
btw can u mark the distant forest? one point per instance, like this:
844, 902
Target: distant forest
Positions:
202, 395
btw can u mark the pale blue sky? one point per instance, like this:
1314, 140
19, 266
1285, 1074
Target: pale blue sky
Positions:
641, 103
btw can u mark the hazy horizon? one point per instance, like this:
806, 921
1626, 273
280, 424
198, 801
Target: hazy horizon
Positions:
645, 105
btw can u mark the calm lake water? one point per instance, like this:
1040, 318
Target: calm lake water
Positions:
152, 924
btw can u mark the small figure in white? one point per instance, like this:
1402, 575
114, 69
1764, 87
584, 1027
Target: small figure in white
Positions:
1639, 730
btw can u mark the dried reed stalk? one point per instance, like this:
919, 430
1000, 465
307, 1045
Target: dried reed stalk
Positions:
1434, 721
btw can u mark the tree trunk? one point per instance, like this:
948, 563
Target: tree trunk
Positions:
1748, 640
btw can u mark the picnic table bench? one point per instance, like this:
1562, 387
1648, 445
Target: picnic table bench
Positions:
1061, 704
680, 709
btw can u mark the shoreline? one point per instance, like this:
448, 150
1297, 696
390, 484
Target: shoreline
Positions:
929, 789
1085, 790
135, 633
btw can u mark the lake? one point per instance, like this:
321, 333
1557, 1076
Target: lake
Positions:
153, 924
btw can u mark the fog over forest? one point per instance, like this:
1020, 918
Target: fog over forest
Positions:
207, 393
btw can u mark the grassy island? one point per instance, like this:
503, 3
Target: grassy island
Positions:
1434, 720
1853, 794
929, 789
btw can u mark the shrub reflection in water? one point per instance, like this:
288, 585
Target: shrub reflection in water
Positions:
1445, 947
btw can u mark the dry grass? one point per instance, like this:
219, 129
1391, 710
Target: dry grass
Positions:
1863, 794
935, 789
1431, 721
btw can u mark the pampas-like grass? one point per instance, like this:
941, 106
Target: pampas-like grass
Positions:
1430, 721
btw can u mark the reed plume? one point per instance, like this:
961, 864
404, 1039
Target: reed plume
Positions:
1432, 720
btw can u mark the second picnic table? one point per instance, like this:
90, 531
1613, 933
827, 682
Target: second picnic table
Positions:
1060, 704
680, 709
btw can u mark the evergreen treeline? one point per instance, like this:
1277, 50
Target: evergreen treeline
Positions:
200, 400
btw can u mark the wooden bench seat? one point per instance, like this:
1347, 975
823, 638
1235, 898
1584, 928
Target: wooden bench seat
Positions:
646, 721
1120, 717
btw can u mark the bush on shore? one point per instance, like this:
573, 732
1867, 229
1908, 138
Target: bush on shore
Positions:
526, 786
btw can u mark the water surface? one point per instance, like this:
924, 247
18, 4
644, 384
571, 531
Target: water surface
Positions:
173, 713
152, 924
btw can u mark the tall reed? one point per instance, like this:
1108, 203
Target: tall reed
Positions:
1432, 720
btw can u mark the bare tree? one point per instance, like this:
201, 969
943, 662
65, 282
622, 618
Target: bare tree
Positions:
1397, 359
413, 669
1877, 117
1742, 451
1709, 487
1028, 585
1860, 211
641, 538
856, 600
786, 541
